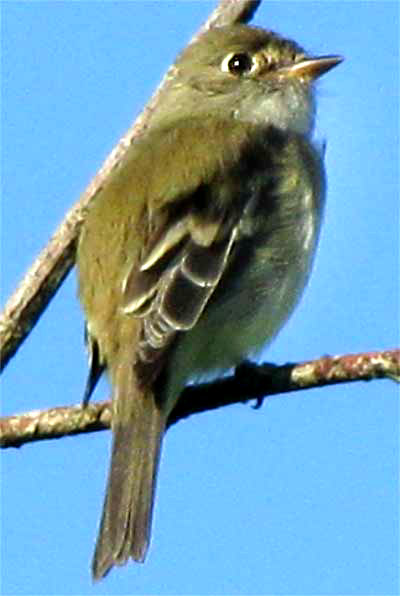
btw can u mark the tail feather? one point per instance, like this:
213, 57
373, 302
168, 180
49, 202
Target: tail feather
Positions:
127, 514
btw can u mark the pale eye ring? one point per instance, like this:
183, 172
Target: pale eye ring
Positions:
237, 63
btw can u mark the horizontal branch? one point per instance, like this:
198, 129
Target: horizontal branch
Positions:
249, 382
51, 267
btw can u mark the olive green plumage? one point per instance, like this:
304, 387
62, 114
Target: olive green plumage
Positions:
198, 248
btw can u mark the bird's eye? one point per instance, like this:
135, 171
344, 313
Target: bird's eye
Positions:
237, 64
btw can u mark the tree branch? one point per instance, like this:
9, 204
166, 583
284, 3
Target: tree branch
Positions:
248, 382
51, 267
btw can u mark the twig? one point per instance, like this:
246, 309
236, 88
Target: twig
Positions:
51, 267
249, 382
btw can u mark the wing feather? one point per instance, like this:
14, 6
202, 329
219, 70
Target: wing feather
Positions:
189, 239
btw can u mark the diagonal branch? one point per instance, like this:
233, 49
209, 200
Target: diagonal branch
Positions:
248, 382
51, 267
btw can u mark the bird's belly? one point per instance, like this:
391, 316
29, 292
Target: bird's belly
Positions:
250, 306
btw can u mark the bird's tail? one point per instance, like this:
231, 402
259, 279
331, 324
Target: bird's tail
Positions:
138, 428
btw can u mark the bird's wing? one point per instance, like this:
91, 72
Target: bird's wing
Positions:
190, 236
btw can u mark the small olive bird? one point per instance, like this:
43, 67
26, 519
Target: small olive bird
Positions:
196, 250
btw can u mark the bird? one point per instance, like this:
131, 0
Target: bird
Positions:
197, 248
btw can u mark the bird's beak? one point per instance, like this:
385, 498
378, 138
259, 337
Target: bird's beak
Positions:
311, 68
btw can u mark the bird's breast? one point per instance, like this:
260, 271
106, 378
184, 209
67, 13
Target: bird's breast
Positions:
269, 269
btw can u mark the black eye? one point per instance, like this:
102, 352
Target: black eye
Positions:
240, 63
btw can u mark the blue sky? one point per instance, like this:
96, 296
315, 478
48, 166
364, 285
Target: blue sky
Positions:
300, 497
